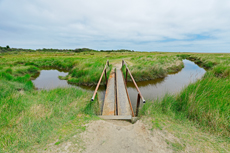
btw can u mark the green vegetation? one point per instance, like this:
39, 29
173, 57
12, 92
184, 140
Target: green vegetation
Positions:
152, 66
181, 134
86, 67
82, 70
30, 118
207, 102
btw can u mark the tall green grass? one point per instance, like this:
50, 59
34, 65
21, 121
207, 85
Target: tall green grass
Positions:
88, 73
188, 136
83, 69
29, 118
206, 102
153, 66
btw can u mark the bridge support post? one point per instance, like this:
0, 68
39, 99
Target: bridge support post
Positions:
126, 76
106, 78
138, 103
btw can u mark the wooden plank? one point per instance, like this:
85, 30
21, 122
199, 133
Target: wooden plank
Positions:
109, 102
122, 99
117, 117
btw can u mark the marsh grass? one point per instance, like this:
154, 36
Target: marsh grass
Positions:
85, 67
153, 66
29, 118
88, 73
182, 134
207, 101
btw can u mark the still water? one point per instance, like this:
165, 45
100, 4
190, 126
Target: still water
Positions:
49, 79
173, 83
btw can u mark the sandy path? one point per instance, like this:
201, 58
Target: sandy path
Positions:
113, 136
121, 136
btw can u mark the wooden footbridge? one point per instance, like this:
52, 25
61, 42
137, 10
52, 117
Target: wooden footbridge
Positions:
117, 104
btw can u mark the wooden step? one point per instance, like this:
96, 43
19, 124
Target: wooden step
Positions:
116, 117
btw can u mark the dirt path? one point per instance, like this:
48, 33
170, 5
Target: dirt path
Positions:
104, 136
121, 136
117, 65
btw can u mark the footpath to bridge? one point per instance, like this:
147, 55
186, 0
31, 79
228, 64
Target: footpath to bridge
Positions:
117, 104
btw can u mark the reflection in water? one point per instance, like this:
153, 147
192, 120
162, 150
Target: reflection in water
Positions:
173, 83
48, 79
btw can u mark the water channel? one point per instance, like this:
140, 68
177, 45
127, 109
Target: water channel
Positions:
48, 78
173, 83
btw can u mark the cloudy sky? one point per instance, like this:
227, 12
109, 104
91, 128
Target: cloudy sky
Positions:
142, 25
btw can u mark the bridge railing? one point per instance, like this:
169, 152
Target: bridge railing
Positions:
139, 95
98, 84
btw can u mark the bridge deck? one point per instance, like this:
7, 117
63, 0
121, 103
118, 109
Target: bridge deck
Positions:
116, 96
122, 99
109, 102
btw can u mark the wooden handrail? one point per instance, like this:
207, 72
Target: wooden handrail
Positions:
131, 107
134, 82
98, 84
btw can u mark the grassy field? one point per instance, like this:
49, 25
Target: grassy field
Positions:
85, 67
30, 118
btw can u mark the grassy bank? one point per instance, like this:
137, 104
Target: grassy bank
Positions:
206, 102
180, 133
85, 67
30, 118
150, 66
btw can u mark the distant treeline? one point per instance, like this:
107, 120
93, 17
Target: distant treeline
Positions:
120, 50
8, 49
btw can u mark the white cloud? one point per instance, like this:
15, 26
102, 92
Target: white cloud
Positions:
133, 24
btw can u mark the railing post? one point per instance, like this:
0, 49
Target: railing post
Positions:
105, 78
138, 103
98, 84
126, 76
107, 62
122, 63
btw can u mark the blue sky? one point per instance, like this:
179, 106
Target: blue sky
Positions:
146, 25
